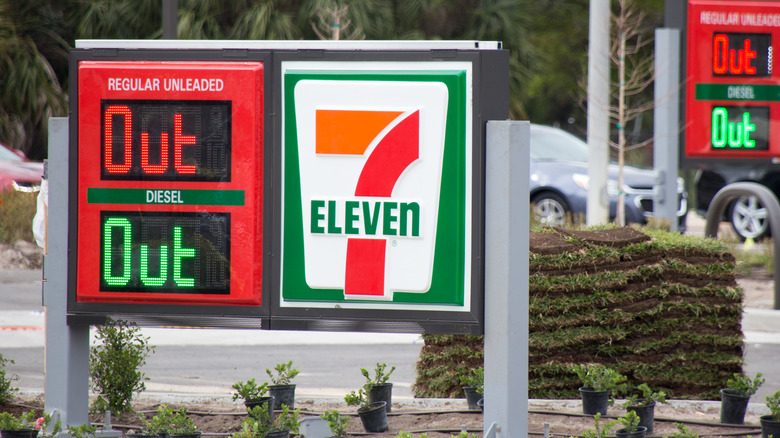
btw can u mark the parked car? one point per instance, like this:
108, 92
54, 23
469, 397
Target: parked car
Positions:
17, 172
747, 216
559, 182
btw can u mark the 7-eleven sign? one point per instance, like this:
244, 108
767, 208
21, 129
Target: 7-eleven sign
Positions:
376, 185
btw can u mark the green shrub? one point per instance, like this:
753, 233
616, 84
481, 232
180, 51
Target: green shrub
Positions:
6, 390
114, 365
17, 210
744, 385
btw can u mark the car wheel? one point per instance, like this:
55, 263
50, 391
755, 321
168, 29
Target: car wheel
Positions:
749, 218
549, 209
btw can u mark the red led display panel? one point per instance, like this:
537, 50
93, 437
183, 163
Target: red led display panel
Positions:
732, 102
170, 203
165, 141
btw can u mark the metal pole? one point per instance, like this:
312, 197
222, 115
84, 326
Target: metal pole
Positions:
598, 108
506, 278
666, 124
66, 373
170, 19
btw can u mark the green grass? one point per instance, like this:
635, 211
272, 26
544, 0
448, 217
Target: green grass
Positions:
17, 210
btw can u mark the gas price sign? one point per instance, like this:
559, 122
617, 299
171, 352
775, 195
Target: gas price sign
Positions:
733, 101
169, 188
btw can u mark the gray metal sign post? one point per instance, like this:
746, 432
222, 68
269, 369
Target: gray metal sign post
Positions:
666, 154
506, 278
67, 347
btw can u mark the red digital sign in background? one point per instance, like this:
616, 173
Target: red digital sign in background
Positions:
170, 199
733, 90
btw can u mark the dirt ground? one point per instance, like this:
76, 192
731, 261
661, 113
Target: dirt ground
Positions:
564, 418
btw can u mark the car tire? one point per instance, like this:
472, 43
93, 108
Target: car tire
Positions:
749, 218
549, 209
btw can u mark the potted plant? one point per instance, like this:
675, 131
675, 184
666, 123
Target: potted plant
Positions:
373, 415
260, 424
644, 406
27, 425
631, 427
282, 389
598, 431
378, 388
167, 422
770, 424
473, 386
735, 396
336, 423
599, 385
253, 395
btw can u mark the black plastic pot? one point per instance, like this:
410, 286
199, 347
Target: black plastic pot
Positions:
641, 431
481, 404
23, 433
381, 392
732, 406
594, 402
646, 414
374, 417
472, 396
769, 427
259, 402
283, 395
278, 434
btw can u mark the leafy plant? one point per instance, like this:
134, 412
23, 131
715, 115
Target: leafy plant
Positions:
284, 373
744, 385
380, 376
683, 432
168, 421
6, 390
24, 421
249, 391
598, 377
357, 398
337, 423
83, 431
29, 420
648, 397
630, 421
114, 365
259, 423
773, 403
598, 431
475, 378
402, 434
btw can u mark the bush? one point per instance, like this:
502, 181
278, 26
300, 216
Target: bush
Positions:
6, 390
17, 210
114, 365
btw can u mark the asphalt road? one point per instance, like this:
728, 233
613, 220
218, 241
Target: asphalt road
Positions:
206, 362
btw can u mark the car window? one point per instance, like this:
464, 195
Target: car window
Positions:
551, 144
7, 155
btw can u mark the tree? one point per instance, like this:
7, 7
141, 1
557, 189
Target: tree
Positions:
635, 73
30, 92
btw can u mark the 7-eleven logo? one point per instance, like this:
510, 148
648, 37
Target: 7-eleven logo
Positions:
364, 203
344, 132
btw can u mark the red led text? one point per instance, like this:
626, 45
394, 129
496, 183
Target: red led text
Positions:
179, 142
731, 61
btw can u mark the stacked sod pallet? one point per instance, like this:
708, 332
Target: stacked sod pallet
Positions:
661, 308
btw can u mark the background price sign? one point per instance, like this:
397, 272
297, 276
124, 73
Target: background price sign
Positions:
169, 187
733, 97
